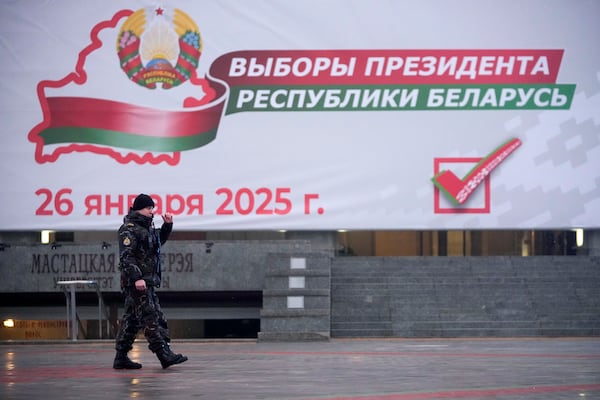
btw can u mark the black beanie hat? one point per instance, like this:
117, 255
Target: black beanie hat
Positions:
142, 201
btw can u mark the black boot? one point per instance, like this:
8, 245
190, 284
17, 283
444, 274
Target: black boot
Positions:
123, 362
167, 357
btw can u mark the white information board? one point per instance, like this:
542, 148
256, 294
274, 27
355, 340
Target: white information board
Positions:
312, 115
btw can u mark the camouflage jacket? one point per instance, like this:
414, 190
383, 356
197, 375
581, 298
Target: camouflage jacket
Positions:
139, 249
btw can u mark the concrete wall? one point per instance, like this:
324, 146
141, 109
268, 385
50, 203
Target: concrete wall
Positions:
296, 298
344, 296
187, 265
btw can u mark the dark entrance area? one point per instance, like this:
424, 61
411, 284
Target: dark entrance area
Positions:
231, 328
191, 315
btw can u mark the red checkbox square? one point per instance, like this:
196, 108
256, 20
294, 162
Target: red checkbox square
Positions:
480, 204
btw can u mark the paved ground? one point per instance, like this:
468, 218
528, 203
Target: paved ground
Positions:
386, 369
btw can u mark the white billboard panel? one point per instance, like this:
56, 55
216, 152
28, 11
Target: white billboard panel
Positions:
301, 115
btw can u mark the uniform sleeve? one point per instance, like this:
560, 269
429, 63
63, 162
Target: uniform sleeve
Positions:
165, 232
130, 271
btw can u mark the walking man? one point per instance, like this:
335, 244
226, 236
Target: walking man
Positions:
139, 263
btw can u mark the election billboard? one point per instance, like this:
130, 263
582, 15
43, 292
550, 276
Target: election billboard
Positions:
310, 115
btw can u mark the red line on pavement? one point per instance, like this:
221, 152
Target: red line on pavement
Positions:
410, 354
462, 394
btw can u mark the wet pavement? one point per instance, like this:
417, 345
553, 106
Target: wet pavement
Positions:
362, 369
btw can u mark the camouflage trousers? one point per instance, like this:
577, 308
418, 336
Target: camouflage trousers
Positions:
142, 311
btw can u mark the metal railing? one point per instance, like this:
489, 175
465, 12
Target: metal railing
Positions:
69, 288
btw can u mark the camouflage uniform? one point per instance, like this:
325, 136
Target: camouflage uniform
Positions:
139, 255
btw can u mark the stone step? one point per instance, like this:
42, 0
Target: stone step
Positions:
474, 274
449, 331
453, 297
489, 278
